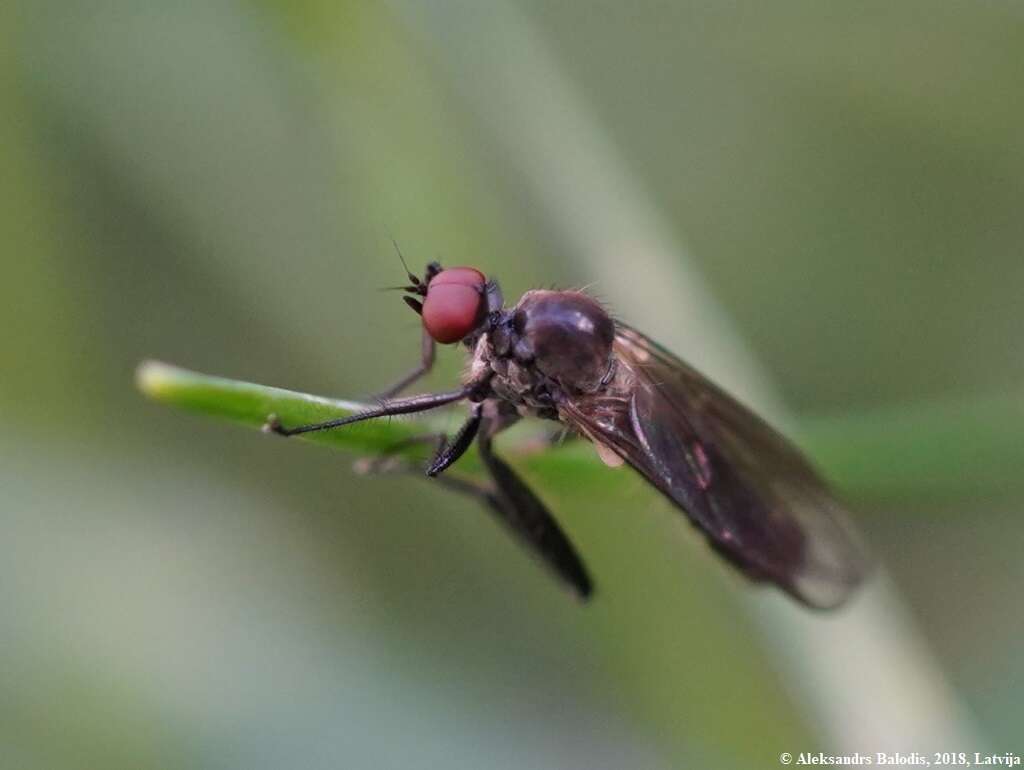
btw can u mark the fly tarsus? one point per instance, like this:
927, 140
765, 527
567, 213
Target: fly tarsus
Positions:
397, 406
449, 453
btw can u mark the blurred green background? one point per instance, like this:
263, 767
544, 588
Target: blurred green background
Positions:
840, 186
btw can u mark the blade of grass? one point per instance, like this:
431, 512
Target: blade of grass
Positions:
249, 404
883, 456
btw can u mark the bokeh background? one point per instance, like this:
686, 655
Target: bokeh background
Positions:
821, 204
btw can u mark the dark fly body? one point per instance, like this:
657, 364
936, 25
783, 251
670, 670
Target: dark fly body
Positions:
558, 355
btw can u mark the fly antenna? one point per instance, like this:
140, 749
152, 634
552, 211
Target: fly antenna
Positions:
415, 281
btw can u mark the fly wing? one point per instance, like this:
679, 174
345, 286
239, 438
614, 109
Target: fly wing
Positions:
754, 496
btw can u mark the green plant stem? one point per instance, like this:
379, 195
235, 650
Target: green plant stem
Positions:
938, 450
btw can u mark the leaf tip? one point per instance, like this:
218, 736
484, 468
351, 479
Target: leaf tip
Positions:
154, 378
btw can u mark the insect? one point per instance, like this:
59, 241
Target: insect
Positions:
559, 355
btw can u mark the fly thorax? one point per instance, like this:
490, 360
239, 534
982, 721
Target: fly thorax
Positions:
566, 336
522, 384
511, 378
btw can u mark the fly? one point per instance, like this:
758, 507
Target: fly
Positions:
559, 355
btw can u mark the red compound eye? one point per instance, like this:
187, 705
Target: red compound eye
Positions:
455, 303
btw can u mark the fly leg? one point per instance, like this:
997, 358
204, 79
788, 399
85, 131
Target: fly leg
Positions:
449, 453
482, 492
444, 455
529, 520
515, 505
427, 353
409, 405
392, 459
551, 439
428, 347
